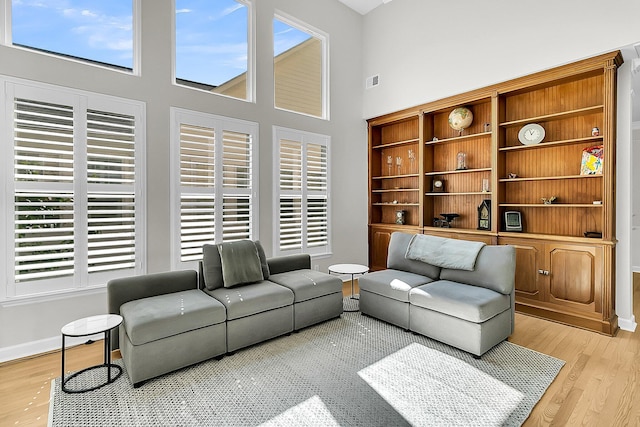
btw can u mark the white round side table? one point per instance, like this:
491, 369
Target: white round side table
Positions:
103, 323
351, 269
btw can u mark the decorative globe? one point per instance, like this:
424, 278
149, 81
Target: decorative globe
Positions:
460, 119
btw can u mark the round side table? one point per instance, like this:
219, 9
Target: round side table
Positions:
89, 326
351, 269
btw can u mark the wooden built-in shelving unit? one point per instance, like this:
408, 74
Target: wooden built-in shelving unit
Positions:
561, 273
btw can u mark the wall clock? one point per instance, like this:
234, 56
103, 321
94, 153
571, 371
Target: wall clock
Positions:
531, 134
438, 185
484, 215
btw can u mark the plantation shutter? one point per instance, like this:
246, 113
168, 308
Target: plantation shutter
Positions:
302, 192
236, 181
43, 196
215, 181
290, 212
111, 200
197, 189
317, 203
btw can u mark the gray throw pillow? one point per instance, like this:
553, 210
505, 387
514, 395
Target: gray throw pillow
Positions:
240, 263
211, 267
263, 261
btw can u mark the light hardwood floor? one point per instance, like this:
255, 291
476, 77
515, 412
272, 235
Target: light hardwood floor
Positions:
598, 386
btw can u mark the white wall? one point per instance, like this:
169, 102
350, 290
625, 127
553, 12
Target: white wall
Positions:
425, 51
30, 327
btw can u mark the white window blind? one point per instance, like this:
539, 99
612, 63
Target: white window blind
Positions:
302, 192
74, 196
111, 193
43, 199
215, 182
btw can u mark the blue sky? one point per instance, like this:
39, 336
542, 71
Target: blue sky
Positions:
211, 35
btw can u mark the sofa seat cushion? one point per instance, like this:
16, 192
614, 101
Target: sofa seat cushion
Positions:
470, 303
308, 284
394, 284
153, 318
254, 298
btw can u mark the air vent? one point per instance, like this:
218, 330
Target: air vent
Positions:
373, 81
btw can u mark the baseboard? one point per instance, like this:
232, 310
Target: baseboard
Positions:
627, 324
46, 345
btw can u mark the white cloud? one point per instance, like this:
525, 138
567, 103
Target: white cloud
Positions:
183, 11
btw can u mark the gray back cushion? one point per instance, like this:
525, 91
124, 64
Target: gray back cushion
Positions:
240, 263
212, 266
396, 257
495, 269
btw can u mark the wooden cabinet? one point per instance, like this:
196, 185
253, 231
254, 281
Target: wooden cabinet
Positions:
566, 249
564, 281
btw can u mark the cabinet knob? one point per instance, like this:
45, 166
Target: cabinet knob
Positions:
543, 272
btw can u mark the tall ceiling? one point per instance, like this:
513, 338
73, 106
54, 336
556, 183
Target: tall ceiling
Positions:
364, 6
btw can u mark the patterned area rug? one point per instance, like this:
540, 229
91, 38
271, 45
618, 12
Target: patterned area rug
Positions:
351, 371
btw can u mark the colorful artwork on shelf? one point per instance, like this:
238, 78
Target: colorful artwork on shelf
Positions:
592, 160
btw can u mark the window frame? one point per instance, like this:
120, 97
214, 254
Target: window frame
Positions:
251, 54
81, 101
6, 39
304, 138
324, 38
218, 123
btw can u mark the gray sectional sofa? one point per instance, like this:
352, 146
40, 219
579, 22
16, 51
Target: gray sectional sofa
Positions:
240, 298
469, 304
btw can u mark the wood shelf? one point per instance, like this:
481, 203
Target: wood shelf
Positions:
395, 204
410, 175
458, 138
591, 139
555, 116
461, 193
457, 171
396, 143
549, 178
552, 205
395, 190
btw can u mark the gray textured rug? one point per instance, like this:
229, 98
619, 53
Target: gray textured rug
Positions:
352, 371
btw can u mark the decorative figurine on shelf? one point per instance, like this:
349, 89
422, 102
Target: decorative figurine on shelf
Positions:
485, 185
487, 127
548, 201
595, 131
435, 138
412, 158
460, 119
398, 163
461, 161
446, 220
389, 163
513, 175
400, 217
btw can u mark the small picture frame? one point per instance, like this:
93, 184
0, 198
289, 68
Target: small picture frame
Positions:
512, 221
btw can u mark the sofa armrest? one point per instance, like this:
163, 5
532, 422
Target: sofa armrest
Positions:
132, 288
286, 263
120, 291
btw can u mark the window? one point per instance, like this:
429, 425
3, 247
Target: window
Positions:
215, 174
300, 67
214, 46
74, 204
102, 33
302, 192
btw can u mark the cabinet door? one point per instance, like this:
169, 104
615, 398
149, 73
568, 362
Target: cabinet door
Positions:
530, 258
575, 276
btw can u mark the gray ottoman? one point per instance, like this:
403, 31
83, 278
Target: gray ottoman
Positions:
163, 333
